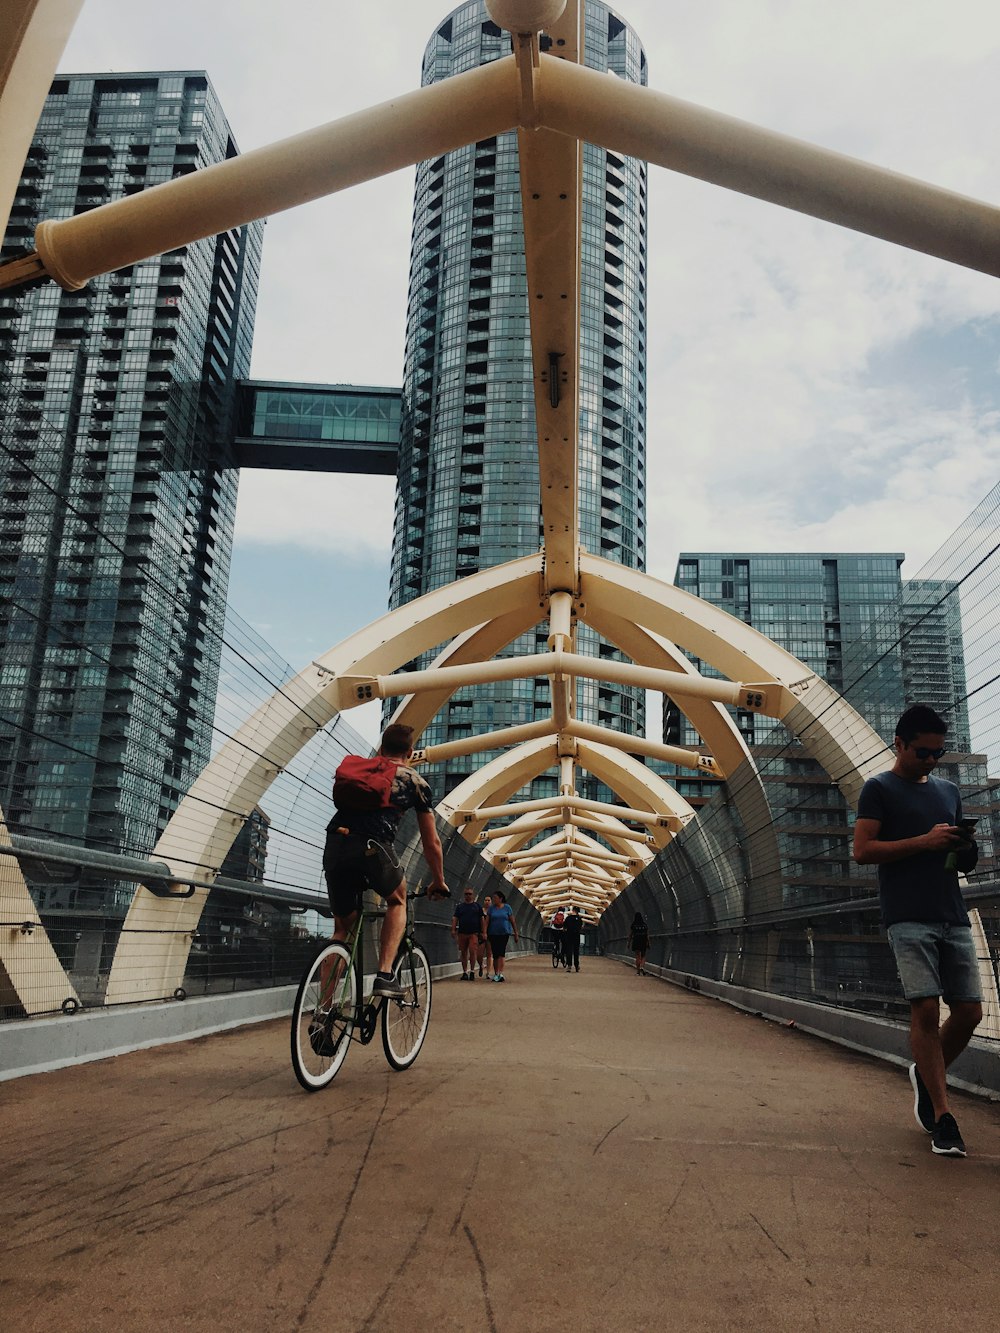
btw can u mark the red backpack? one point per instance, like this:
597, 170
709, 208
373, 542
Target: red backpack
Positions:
363, 784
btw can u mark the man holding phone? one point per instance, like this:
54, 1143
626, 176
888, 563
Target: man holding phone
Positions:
910, 826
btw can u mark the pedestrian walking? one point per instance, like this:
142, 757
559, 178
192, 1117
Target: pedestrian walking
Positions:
467, 926
500, 927
572, 927
910, 826
638, 941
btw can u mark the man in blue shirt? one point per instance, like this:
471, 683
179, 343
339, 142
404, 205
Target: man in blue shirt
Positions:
908, 823
468, 927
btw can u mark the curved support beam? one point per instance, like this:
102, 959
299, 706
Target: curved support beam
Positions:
635, 846
635, 783
709, 719
29, 966
205, 823
496, 781
475, 645
471, 804
833, 732
32, 36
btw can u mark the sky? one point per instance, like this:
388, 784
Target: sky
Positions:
808, 388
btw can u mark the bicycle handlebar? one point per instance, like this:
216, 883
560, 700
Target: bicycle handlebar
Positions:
421, 892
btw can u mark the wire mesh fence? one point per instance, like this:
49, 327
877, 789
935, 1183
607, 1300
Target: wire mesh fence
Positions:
761, 889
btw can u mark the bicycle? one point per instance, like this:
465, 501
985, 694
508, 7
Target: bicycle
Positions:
556, 947
332, 1009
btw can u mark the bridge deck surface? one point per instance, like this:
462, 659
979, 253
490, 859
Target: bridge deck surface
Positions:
582, 1152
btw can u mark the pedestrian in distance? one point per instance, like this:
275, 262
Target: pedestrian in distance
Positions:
467, 927
485, 952
638, 941
910, 826
500, 927
572, 927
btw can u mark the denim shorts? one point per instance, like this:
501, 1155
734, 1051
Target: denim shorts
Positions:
938, 959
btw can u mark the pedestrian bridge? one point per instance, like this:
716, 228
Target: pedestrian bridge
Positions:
588, 1152
745, 895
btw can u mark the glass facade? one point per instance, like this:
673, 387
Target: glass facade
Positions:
118, 481
467, 495
327, 412
882, 641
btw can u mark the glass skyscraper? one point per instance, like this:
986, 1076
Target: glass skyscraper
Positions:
882, 641
119, 487
468, 494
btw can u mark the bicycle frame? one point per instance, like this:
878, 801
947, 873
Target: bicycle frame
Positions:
332, 1007
367, 1006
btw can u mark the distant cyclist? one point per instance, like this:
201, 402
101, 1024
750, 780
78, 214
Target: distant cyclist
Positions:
371, 797
556, 926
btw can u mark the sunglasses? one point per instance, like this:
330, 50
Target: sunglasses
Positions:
924, 752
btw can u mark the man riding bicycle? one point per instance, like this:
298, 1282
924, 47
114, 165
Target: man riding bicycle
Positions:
359, 850
556, 933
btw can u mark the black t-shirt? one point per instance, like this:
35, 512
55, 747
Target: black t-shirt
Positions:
573, 923
468, 918
919, 887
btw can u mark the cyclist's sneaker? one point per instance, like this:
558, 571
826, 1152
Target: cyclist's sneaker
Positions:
923, 1107
323, 1041
947, 1141
389, 988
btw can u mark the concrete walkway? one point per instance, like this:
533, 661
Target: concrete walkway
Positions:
582, 1152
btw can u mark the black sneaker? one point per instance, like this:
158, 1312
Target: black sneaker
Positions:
923, 1107
323, 1041
947, 1141
388, 989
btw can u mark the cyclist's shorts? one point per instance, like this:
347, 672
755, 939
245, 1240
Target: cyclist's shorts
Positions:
355, 863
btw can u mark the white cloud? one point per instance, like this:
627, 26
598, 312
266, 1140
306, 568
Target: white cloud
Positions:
322, 513
793, 401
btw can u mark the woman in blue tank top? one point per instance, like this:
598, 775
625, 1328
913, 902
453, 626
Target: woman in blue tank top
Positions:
500, 926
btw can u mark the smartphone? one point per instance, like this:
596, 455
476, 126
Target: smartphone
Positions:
967, 825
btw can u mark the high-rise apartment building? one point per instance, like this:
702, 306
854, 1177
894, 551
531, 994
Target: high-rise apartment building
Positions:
882, 641
119, 487
467, 493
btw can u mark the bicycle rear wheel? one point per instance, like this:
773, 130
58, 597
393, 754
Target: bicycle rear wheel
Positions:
556, 958
404, 1022
323, 1017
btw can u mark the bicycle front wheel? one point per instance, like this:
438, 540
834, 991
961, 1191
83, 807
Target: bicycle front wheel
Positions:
323, 1017
404, 1022
555, 953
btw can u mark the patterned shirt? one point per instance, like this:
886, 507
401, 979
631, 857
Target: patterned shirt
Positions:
409, 792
